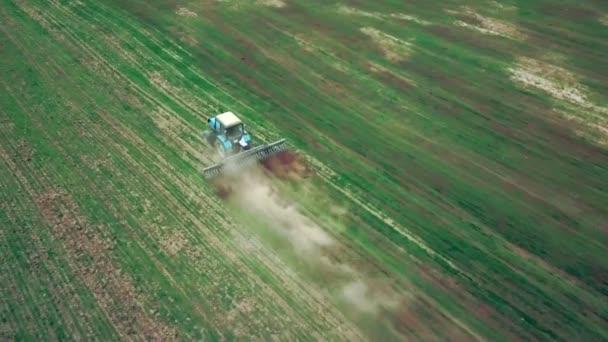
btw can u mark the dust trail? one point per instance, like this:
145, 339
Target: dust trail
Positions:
357, 293
260, 198
256, 195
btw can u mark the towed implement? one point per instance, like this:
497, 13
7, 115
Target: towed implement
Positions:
234, 145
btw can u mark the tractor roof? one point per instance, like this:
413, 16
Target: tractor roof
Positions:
228, 119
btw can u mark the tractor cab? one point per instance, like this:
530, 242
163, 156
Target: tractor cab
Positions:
229, 133
234, 132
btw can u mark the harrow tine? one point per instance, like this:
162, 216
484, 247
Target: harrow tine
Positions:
246, 158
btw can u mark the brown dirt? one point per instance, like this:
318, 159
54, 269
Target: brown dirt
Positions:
392, 80
393, 48
412, 319
334, 88
222, 188
249, 62
406, 318
188, 40
482, 310
486, 25
89, 253
287, 165
25, 150
174, 243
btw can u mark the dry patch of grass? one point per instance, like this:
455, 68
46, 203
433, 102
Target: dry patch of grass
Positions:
306, 45
184, 12
272, 3
167, 122
503, 7
174, 243
343, 9
563, 85
95, 163
238, 4
391, 78
394, 49
487, 25
604, 19
558, 82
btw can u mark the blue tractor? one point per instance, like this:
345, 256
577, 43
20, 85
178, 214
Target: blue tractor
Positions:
233, 144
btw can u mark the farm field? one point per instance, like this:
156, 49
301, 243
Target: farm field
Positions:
458, 153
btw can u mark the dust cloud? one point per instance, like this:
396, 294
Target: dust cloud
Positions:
256, 194
357, 293
284, 218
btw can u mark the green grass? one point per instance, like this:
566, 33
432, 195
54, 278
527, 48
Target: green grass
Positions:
469, 195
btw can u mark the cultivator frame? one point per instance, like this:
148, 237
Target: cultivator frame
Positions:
245, 158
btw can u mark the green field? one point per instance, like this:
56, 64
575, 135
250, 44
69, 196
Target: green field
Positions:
459, 150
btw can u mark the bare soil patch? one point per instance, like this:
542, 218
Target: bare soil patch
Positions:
381, 16
174, 243
391, 79
558, 82
287, 165
184, 12
563, 85
223, 187
188, 40
393, 48
89, 253
486, 25
96, 163
406, 318
503, 7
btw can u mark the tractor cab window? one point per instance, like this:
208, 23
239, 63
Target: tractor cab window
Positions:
234, 132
